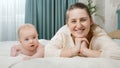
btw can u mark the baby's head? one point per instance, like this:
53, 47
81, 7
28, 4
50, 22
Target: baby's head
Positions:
28, 37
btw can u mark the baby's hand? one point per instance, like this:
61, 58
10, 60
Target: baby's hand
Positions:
15, 51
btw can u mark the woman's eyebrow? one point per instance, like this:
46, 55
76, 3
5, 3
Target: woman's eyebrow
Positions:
84, 17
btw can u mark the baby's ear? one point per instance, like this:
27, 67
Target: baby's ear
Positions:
19, 40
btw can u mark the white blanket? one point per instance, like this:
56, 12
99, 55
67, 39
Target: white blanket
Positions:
77, 62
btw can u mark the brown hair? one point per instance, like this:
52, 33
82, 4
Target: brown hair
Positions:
78, 6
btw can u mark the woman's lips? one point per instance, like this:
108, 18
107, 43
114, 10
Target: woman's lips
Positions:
80, 30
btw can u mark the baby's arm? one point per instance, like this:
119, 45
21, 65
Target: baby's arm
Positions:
14, 50
40, 52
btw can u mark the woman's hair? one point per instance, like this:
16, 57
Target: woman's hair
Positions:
77, 6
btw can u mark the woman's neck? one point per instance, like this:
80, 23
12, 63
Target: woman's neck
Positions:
89, 36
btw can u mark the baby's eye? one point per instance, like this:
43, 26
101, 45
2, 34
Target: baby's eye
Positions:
26, 39
34, 37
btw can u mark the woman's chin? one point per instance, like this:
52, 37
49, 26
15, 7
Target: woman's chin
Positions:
79, 36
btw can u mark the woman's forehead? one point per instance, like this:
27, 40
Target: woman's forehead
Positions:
77, 13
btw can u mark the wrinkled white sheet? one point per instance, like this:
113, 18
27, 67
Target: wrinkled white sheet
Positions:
8, 62
77, 62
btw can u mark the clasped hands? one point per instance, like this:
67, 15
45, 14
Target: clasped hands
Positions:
81, 45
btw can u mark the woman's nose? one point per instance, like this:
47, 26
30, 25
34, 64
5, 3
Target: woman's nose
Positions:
79, 24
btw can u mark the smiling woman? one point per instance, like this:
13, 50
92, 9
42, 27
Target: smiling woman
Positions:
81, 37
11, 16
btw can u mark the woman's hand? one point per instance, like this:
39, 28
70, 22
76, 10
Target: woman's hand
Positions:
74, 51
81, 44
85, 51
77, 45
83, 48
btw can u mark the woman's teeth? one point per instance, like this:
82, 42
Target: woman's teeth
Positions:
81, 30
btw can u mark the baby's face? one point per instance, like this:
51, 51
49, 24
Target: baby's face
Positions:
29, 39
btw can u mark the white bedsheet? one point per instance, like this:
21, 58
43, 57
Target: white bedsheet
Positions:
77, 62
117, 41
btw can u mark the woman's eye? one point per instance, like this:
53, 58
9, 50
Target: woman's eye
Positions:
73, 21
83, 20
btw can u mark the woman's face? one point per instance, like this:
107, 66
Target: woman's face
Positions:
79, 23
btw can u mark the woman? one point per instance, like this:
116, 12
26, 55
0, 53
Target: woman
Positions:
81, 37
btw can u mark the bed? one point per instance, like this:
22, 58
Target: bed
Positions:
77, 62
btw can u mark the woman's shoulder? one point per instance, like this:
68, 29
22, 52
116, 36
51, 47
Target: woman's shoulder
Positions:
97, 30
64, 29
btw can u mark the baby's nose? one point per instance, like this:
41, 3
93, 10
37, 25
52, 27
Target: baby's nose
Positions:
30, 40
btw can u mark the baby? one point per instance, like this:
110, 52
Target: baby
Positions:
29, 44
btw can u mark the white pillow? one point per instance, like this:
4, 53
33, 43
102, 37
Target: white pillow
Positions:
44, 41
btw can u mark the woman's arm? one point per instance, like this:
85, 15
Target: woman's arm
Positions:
70, 52
108, 48
74, 51
60, 45
84, 50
